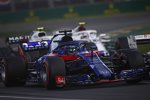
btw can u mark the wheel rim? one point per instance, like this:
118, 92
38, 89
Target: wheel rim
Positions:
44, 75
3, 73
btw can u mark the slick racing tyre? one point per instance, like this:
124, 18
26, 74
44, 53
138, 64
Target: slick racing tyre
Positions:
5, 52
13, 71
122, 43
134, 60
53, 73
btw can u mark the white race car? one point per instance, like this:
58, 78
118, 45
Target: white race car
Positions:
37, 35
81, 33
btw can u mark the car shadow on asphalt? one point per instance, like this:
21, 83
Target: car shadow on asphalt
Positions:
77, 87
102, 85
92, 86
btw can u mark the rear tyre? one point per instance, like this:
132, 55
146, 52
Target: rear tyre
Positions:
13, 71
5, 52
53, 73
122, 43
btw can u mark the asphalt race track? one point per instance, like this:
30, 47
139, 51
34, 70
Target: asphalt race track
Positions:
109, 91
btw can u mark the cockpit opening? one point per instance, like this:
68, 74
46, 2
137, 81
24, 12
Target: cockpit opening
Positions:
41, 34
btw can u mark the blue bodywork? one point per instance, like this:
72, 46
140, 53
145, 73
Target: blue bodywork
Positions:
29, 46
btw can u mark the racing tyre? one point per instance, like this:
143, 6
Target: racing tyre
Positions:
53, 73
5, 52
134, 61
122, 43
13, 71
134, 58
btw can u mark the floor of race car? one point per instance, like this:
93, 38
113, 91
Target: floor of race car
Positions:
109, 91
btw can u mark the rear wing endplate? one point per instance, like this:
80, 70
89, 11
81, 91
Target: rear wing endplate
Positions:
35, 46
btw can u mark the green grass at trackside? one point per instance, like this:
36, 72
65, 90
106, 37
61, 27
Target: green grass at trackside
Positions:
144, 47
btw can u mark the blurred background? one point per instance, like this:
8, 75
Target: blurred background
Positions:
22, 16
18, 5
34, 10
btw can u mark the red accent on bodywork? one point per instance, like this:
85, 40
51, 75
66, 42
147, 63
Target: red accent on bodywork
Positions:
90, 54
109, 81
69, 57
20, 52
60, 80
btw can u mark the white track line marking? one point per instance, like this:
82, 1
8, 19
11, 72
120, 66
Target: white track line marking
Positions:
34, 98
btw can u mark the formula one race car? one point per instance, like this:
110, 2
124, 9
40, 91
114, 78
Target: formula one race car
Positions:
71, 62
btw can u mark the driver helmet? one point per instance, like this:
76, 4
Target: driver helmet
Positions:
81, 26
40, 28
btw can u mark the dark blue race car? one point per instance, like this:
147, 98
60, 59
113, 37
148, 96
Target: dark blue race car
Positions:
71, 62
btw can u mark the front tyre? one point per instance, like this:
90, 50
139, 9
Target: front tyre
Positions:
135, 62
53, 73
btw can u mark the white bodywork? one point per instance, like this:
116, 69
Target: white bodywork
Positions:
35, 36
132, 42
91, 35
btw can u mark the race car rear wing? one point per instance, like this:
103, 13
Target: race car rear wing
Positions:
17, 39
142, 39
35, 46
